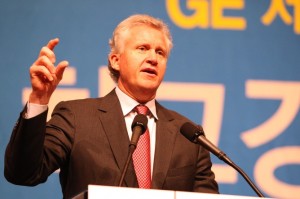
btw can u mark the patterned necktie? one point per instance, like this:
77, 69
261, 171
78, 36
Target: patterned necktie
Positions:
141, 155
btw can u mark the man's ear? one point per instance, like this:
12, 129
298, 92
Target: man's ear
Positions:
114, 61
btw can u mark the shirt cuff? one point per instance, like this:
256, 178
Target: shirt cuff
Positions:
34, 110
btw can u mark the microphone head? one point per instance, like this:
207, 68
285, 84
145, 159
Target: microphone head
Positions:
191, 132
140, 120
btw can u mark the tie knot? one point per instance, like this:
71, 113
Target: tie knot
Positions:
142, 109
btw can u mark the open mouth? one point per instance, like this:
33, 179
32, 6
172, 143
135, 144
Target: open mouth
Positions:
150, 71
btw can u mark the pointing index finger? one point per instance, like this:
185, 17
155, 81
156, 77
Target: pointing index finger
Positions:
52, 43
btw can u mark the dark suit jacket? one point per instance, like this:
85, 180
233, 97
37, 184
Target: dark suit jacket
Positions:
87, 139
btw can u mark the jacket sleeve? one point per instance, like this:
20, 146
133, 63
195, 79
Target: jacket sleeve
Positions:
24, 150
37, 148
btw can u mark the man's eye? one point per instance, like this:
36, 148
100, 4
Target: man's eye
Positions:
160, 52
142, 48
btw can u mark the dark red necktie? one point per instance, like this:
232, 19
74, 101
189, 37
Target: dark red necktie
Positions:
141, 155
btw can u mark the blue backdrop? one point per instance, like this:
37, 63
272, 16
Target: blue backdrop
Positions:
234, 68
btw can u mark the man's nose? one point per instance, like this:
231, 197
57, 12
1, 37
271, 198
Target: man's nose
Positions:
152, 57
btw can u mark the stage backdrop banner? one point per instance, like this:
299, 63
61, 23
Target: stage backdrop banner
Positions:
235, 69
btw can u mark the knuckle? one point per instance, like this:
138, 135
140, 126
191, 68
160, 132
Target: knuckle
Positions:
43, 59
44, 49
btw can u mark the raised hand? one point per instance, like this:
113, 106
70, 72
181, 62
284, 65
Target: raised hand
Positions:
44, 75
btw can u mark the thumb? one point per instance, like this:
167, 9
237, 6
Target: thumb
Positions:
60, 69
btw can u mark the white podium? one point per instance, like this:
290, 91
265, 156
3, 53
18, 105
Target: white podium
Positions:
108, 192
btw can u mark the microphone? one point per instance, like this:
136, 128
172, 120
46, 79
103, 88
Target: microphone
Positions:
197, 136
138, 127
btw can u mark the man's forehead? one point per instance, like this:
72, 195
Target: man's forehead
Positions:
138, 33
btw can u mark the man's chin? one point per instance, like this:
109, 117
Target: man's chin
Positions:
150, 86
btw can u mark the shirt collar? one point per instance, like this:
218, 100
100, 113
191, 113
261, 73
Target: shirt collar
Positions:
127, 103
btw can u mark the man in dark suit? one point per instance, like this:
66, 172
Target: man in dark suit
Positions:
88, 139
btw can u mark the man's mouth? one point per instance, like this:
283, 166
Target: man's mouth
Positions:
150, 71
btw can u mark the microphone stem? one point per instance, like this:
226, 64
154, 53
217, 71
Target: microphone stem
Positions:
245, 176
129, 157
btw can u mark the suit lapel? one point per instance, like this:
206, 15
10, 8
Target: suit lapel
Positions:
165, 138
113, 122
